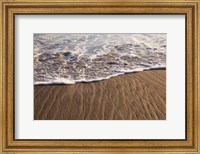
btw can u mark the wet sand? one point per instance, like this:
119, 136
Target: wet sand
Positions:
134, 96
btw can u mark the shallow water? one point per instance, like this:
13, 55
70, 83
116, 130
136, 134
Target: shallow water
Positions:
70, 58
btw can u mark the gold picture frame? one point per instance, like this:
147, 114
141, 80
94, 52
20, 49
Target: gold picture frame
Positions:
190, 8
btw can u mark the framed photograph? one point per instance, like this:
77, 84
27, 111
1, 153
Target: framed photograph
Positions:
99, 76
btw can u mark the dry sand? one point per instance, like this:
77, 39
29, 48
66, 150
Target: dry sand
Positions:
134, 96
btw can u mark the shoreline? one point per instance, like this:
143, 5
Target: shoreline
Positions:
131, 96
69, 82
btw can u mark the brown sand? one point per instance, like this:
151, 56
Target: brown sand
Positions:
134, 96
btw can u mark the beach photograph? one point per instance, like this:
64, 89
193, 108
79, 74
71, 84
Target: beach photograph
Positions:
100, 76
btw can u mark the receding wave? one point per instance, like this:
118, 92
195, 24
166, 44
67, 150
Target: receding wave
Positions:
72, 58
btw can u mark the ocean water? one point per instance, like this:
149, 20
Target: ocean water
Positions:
71, 58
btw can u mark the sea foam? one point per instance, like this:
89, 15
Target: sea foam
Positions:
72, 58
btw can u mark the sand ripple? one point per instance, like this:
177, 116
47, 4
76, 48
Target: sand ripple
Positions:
134, 96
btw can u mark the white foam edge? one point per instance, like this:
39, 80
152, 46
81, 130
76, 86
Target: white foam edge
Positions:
118, 72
